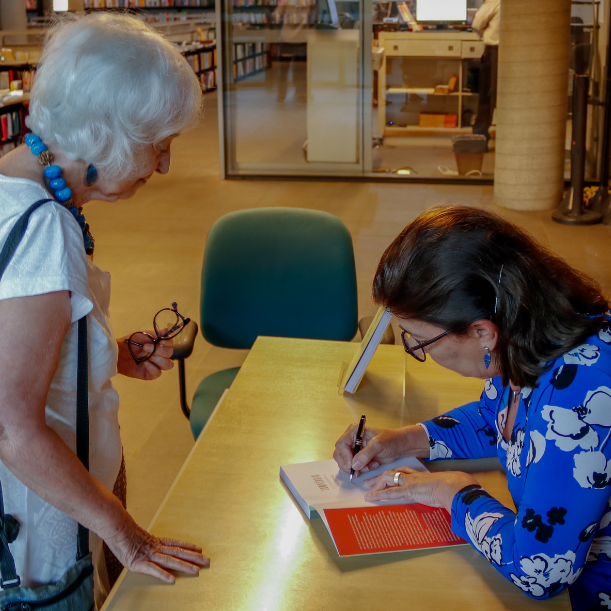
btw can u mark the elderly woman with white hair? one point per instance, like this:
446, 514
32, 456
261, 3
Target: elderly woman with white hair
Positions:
109, 97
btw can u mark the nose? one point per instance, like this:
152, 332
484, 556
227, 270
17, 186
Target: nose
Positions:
163, 166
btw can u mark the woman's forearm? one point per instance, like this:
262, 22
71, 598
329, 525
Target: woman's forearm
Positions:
41, 460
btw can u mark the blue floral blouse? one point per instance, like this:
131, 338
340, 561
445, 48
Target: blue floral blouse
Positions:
558, 464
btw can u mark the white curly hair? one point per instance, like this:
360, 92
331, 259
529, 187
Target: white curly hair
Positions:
107, 86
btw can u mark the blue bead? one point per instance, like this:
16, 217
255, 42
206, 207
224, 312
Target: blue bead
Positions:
31, 138
63, 195
81, 221
57, 184
53, 171
74, 211
38, 147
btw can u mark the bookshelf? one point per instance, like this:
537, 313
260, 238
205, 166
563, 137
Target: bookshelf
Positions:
11, 71
149, 4
275, 13
14, 108
249, 59
12, 122
272, 16
202, 58
34, 8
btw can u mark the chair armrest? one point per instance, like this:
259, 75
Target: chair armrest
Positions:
183, 343
387, 338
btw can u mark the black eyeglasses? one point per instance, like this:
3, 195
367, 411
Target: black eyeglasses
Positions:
411, 350
168, 323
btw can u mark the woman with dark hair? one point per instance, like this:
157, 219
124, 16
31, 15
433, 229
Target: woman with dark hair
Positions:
484, 299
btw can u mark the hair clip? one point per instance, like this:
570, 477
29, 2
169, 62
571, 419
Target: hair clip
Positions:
496, 299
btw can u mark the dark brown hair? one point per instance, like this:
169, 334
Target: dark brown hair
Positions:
444, 269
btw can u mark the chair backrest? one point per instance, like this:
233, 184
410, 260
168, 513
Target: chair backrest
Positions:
284, 272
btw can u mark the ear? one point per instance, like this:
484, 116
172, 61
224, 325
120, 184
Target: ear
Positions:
484, 331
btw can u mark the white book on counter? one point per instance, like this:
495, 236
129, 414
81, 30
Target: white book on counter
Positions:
322, 485
356, 370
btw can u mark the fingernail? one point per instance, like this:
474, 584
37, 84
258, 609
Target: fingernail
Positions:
356, 465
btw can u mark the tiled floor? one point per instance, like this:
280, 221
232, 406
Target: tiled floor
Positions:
153, 245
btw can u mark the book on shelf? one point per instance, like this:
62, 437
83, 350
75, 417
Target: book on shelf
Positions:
358, 527
354, 373
407, 16
208, 80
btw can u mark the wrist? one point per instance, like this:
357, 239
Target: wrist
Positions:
113, 520
416, 442
454, 486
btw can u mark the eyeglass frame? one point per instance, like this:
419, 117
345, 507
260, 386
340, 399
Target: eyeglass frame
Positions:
421, 345
159, 337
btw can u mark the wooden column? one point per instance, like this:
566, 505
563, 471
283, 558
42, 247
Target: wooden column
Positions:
532, 98
13, 15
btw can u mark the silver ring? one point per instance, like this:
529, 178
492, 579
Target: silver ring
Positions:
398, 474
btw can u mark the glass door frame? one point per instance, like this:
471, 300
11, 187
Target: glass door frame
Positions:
361, 171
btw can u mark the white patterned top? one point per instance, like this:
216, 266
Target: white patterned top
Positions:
51, 258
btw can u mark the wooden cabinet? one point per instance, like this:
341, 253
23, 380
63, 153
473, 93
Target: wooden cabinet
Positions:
414, 64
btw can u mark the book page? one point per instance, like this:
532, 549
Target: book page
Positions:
390, 528
322, 484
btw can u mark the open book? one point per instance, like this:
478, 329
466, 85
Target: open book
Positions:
358, 527
354, 374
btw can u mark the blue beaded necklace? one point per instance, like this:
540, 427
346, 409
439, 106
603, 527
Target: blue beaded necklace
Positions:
61, 192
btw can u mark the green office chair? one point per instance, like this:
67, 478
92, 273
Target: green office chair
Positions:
284, 272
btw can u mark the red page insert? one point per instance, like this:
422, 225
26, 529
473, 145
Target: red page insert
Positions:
390, 528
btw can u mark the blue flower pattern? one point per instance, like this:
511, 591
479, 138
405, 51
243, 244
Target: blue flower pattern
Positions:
558, 465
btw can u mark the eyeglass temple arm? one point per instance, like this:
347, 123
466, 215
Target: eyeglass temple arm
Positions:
183, 347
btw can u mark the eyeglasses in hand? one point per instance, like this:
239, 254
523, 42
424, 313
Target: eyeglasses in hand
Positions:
412, 350
168, 323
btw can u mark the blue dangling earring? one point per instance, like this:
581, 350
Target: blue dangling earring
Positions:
92, 175
487, 357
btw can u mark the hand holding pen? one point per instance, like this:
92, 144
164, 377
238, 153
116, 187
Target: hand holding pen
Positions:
358, 442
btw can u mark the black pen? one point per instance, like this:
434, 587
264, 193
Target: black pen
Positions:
358, 442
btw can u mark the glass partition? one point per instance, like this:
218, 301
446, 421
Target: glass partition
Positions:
358, 88
587, 56
291, 88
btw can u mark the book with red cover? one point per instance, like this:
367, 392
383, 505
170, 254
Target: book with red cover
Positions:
389, 528
361, 527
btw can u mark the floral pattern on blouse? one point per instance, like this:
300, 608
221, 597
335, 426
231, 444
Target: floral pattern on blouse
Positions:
558, 465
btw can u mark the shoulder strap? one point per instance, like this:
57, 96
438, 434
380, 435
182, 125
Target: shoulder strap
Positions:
82, 423
16, 235
9, 526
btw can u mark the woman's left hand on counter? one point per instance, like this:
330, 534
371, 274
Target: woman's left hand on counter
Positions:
432, 489
150, 369
141, 552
